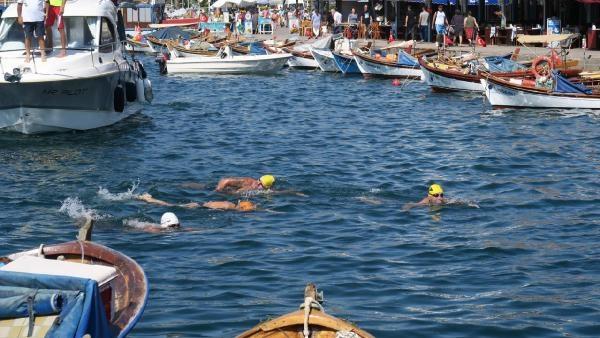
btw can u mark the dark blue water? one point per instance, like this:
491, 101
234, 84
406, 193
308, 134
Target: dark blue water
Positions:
524, 263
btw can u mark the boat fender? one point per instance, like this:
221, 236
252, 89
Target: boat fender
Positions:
139, 87
539, 69
119, 98
148, 94
131, 91
142, 70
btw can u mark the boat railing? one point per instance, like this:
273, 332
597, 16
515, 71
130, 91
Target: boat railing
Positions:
107, 48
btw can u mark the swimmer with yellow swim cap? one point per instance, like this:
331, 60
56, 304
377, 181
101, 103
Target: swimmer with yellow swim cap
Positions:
236, 185
435, 196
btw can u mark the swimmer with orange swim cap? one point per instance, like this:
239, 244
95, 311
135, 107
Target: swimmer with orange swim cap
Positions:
241, 184
243, 206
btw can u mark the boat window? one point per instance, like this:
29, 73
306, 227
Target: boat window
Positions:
11, 35
81, 32
107, 36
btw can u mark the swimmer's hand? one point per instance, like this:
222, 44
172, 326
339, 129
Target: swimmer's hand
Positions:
144, 197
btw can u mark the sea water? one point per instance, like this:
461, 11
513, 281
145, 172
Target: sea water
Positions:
517, 255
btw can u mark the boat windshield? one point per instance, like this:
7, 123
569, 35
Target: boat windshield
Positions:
80, 31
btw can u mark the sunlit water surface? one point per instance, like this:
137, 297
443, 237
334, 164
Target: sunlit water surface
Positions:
517, 255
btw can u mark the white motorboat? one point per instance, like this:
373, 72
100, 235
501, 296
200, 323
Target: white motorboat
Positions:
324, 59
92, 86
225, 62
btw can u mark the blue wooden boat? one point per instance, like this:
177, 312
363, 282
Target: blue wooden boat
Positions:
346, 63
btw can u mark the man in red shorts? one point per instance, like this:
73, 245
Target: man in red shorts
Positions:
55, 13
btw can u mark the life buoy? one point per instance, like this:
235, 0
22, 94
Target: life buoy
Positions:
542, 66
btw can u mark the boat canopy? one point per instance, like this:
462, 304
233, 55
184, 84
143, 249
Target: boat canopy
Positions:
171, 33
78, 8
522, 38
76, 301
563, 85
498, 64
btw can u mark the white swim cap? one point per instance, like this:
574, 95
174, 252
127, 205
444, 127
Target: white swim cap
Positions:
168, 219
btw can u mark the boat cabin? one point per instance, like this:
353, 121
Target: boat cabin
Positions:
91, 24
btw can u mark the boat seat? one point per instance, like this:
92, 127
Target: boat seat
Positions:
38, 265
18, 327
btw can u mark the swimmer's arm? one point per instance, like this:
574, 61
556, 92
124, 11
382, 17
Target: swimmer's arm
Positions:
229, 184
219, 205
146, 197
288, 192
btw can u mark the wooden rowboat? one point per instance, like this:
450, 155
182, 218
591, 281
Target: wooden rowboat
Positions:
311, 321
119, 284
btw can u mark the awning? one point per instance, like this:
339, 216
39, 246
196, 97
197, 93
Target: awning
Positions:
522, 38
473, 3
439, 2
491, 2
589, 1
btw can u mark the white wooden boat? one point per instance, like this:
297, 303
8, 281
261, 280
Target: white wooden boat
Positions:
440, 78
139, 46
225, 62
514, 92
370, 65
324, 59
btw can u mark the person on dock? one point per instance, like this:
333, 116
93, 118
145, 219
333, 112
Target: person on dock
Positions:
316, 23
458, 23
243, 206
54, 12
471, 28
424, 24
410, 24
236, 185
31, 16
435, 196
439, 22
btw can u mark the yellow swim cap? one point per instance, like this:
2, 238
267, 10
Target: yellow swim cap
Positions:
267, 181
435, 189
246, 206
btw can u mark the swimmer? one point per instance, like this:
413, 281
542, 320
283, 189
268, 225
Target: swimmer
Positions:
168, 221
243, 206
435, 196
236, 185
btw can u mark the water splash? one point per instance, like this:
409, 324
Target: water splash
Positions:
136, 223
122, 196
462, 202
74, 208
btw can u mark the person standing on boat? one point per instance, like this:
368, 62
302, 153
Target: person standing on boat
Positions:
439, 22
31, 17
54, 12
238, 185
424, 24
470, 26
410, 22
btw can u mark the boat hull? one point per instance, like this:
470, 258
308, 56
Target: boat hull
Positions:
500, 96
61, 105
439, 82
324, 59
302, 62
346, 64
371, 68
235, 65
